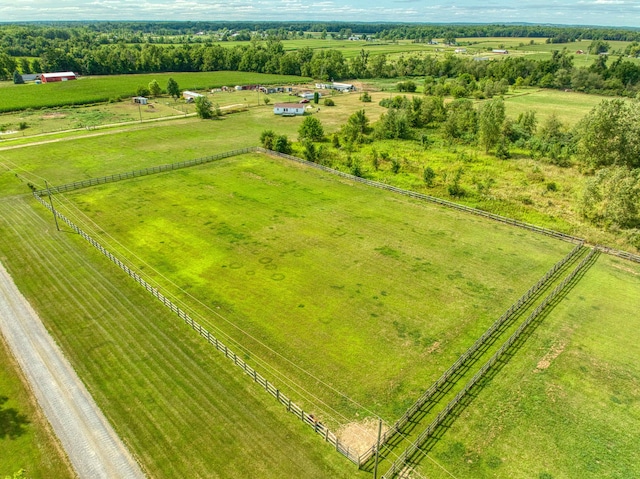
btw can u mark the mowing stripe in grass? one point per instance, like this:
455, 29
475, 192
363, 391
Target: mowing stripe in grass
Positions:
400, 462
292, 407
495, 327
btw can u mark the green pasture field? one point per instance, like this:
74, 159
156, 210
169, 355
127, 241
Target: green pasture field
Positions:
294, 266
26, 439
569, 107
179, 405
567, 403
106, 88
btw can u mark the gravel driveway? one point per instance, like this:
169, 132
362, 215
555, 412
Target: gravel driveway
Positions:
92, 445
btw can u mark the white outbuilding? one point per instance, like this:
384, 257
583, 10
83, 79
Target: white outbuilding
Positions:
288, 109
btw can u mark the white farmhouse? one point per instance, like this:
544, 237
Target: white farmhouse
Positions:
288, 109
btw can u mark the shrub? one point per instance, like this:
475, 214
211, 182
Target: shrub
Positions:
329, 102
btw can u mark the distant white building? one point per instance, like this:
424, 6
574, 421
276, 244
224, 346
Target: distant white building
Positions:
288, 109
308, 95
343, 86
500, 52
140, 100
460, 50
190, 95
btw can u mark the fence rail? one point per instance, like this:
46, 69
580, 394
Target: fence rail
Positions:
406, 455
422, 400
145, 172
268, 386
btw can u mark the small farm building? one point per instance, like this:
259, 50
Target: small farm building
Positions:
60, 76
307, 95
288, 109
343, 86
190, 95
501, 52
140, 100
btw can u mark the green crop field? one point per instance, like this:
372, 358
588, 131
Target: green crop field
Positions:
293, 266
26, 440
567, 404
102, 89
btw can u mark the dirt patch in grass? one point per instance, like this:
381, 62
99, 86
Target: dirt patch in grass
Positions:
51, 116
548, 358
360, 435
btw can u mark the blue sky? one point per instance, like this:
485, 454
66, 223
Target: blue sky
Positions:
569, 12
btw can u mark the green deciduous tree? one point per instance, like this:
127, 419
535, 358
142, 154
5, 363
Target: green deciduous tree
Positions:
393, 125
611, 198
142, 91
154, 88
173, 89
429, 175
204, 108
267, 139
610, 135
311, 129
356, 128
490, 120
17, 78
462, 121
282, 144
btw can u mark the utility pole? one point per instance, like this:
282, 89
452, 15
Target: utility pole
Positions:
375, 468
53, 210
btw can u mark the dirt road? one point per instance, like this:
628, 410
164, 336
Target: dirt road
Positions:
92, 445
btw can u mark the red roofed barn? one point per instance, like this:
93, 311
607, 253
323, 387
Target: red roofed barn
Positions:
60, 76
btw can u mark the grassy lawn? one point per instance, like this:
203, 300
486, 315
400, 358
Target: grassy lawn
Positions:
288, 261
111, 88
567, 403
26, 439
569, 107
179, 405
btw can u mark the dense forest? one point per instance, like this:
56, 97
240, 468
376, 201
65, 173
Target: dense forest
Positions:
120, 48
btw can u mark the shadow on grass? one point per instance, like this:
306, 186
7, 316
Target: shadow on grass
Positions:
12, 423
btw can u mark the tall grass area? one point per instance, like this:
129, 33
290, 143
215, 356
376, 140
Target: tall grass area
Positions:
110, 88
299, 268
26, 439
179, 406
567, 403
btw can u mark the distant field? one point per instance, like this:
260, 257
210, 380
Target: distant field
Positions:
569, 107
101, 89
26, 439
301, 261
567, 404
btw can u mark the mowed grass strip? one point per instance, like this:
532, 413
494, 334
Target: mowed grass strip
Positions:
567, 404
179, 406
26, 439
114, 87
372, 293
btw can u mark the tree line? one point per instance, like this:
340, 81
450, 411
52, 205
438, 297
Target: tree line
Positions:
450, 74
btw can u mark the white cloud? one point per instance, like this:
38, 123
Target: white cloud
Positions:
593, 12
